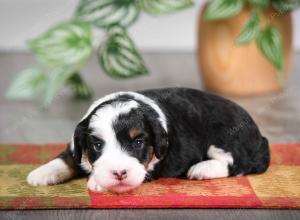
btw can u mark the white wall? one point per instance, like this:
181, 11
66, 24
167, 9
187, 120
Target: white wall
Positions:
21, 20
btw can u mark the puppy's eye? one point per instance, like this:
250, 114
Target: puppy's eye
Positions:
138, 143
98, 146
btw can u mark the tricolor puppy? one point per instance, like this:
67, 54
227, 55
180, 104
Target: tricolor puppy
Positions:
127, 138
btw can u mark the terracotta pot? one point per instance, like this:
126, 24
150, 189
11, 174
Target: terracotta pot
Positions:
230, 69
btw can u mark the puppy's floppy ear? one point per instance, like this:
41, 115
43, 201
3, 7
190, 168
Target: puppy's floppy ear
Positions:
159, 138
79, 140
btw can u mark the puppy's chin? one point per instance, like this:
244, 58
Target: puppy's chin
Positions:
121, 188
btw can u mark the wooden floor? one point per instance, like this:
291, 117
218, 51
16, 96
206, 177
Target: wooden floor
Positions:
277, 115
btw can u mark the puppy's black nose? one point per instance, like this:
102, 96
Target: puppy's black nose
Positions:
120, 174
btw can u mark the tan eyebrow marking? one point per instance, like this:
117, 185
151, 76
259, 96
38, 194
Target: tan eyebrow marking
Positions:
134, 132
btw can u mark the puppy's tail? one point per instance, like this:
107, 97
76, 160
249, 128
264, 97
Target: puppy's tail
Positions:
262, 158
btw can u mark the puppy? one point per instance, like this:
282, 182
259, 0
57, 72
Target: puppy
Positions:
127, 138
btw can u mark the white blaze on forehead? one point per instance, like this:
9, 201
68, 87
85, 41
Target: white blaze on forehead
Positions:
136, 96
102, 121
98, 102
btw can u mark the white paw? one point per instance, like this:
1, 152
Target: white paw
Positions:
56, 171
208, 170
198, 171
93, 186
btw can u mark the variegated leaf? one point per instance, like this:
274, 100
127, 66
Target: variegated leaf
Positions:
56, 79
29, 83
65, 44
79, 86
118, 55
220, 9
158, 7
271, 44
250, 31
103, 13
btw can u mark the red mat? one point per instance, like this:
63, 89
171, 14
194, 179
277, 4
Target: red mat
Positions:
279, 187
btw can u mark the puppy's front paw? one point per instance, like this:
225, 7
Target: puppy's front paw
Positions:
93, 186
56, 171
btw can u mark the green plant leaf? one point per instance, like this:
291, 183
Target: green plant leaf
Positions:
250, 31
159, 7
260, 3
65, 44
220, 9
29, 83
270, 43
118, 55
286, 5
103, 13
79, 86
57, 78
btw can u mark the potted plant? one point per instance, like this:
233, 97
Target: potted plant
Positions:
64, 49
245, 46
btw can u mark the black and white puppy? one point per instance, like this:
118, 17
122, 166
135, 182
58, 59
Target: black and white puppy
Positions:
126, 138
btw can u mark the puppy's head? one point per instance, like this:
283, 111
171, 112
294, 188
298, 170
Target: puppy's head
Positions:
117, 141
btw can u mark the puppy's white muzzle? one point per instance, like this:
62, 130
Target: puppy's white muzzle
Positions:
118, 174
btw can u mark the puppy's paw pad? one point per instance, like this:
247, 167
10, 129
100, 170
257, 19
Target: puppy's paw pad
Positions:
51, 173
93, 186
